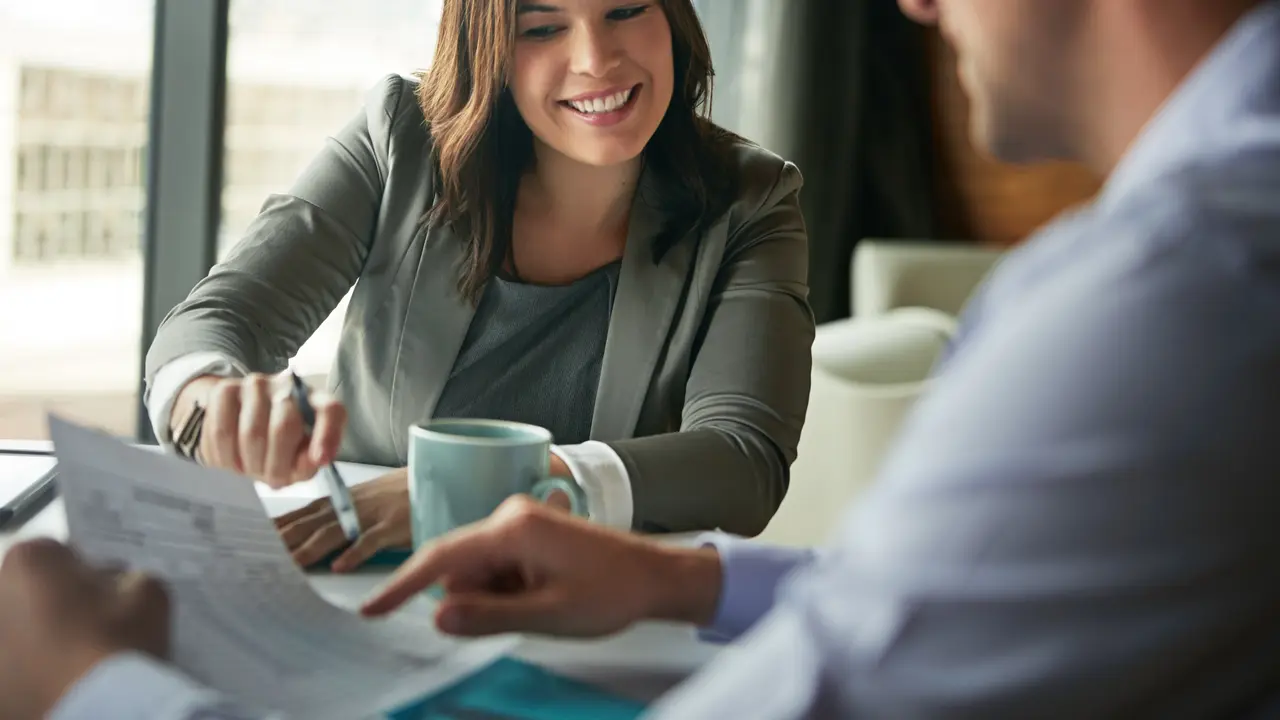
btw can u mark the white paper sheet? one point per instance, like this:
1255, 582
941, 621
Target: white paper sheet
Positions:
246, 621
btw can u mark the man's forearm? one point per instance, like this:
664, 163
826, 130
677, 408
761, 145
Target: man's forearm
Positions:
687, 583
723, 586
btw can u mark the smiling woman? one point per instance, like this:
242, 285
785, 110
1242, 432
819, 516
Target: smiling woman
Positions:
510, 103
543, 227
611, 72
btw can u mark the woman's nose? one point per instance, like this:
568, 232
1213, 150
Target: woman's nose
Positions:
594, 53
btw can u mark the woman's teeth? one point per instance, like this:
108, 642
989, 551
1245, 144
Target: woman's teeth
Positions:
601, 104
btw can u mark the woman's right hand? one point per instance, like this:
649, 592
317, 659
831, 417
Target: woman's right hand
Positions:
253, 427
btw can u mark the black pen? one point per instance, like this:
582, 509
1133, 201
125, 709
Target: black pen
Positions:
31, 499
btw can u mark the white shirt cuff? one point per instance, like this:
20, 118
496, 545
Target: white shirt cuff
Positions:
133, 686
603, 478
174, 376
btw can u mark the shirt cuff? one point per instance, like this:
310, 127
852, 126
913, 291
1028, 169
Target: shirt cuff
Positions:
172, 377
603, 478
129, 686
751, 574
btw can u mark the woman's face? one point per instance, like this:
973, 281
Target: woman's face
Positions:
593, 78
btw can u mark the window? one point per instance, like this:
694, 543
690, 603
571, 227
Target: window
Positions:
737, 33
73, 86
297, 71
74, 91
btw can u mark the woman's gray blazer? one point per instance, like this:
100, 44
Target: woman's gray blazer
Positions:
711, 340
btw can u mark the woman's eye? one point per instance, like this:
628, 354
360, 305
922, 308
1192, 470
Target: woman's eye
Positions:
627, 13
541, 32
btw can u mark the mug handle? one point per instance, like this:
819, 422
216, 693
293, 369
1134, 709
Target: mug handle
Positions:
577, 499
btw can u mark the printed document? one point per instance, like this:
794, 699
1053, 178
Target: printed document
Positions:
246, 621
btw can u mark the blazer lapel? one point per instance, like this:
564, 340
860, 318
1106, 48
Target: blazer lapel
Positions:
435, 325
649, 292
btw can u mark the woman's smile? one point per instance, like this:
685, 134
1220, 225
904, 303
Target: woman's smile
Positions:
603, 109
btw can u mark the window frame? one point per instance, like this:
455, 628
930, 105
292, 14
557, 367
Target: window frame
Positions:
183, 163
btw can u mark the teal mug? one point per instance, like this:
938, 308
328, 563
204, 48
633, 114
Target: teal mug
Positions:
461, 470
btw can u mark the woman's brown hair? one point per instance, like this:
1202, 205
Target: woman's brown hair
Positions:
481, 145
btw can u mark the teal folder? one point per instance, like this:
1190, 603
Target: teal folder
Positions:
515, 690
509, 689
390, 557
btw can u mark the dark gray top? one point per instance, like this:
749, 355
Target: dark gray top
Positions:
533, 354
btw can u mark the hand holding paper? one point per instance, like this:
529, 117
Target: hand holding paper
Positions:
246, 621
62, 617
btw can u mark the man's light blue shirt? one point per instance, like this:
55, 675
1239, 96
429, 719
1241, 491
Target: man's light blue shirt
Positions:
1082, 518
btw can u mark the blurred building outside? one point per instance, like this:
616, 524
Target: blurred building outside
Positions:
74, 99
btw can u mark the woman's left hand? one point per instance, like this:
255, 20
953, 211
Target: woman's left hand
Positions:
313, 532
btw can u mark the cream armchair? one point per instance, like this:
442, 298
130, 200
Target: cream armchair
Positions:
868, 371
888, 274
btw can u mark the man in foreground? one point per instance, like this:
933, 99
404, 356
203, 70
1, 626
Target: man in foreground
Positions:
1078, 521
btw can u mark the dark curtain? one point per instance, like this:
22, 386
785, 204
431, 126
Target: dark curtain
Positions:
841, 88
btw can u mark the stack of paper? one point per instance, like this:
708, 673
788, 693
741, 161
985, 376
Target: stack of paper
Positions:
245, 619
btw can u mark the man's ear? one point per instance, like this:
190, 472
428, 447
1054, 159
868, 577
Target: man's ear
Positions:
924, 12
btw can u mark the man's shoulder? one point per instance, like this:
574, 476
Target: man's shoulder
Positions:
1213, 221
1222, 206
1236, 173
